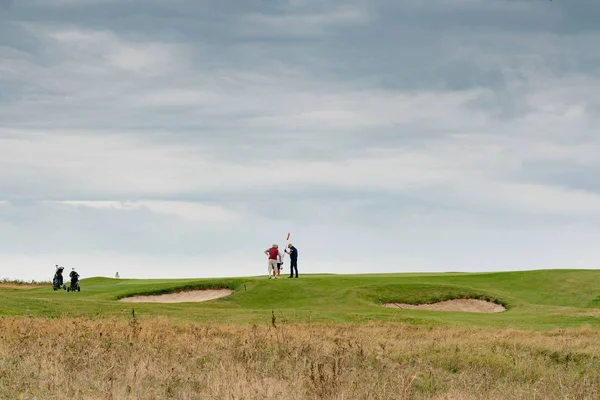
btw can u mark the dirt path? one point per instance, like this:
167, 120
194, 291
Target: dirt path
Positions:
191, 296
464, 305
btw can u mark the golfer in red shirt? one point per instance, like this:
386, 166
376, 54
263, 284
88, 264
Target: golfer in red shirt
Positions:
273, 254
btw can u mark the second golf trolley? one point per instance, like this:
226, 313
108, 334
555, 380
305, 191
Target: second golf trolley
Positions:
74, 286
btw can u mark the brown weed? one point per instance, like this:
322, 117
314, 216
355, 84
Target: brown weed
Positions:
156, 358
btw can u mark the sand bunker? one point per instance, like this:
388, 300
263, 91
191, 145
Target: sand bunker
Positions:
464, 305
190, 296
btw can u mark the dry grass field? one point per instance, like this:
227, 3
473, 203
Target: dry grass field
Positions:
156, 358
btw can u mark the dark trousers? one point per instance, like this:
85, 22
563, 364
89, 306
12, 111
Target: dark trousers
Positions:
293, 265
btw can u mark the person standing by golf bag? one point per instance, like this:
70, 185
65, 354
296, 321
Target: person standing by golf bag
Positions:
293, 252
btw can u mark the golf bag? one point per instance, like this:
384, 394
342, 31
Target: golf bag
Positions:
74, 282
57, 282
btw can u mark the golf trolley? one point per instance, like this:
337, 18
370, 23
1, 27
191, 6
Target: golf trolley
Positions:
74, 286
57, 282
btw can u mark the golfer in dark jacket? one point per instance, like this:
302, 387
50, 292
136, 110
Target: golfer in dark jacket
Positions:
293, 252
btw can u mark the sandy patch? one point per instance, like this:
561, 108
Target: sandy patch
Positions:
190, 296
464, 305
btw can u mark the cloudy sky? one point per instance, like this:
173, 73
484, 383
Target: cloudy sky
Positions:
181, 138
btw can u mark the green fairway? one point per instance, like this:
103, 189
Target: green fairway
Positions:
545, 299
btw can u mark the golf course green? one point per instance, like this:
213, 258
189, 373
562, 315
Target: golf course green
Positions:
540, 300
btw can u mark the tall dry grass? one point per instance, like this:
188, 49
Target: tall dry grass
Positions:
158, 359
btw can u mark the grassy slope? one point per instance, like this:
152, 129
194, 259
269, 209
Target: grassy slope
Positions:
544, 299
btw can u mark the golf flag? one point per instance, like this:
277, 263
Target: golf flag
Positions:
288, 240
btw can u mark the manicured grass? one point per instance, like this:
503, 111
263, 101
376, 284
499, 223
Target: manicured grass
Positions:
545, 299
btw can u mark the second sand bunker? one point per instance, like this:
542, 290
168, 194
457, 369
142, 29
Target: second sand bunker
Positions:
464, 305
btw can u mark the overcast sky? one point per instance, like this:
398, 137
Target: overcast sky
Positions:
181, 138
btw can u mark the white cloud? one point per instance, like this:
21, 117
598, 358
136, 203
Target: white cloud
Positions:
127, 166
305, 24
194, 212
103, 48
174, 97
59, 3
476, 172
527, 198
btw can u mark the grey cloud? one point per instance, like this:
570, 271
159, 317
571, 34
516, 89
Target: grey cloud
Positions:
470, 124
6, 4
502, 104
579, 17
565, 173
394, 60
395, 49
